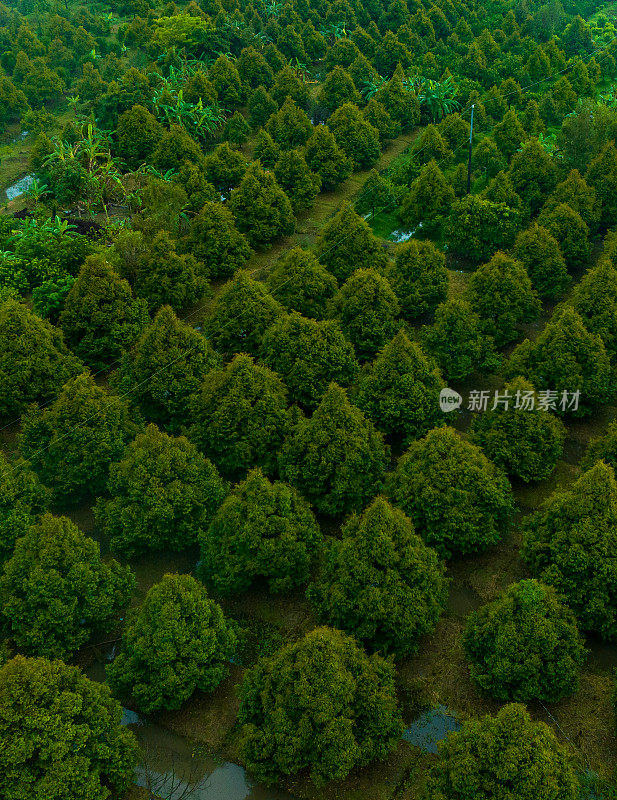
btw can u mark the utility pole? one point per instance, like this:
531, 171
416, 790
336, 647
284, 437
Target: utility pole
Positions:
470, 147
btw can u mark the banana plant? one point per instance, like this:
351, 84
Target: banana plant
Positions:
37, 190
273, 8
196, 118
439, 97
371, 87
302, 71
333, 31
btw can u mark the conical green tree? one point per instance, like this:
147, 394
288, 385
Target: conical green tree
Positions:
165, 369
458, 500
399, 391
325, 157
261, 106
457, 343
540, 254
163, 493
571, 544
225, 168
295, 178
525, 645
336, 458
266, 150
289, 127
500, 292
367, 311
509, 133
101, 318
347, 243
225, 78
500, 190
34, 360
431, 146
355, 135
261, 208
338, 88
342, 702
595, 299
216, 242
377, 194
72, 442
518, 435
263, 531
533, 173
165, 277
300, 283
376, 113
57, 592
240, 417
308, 355
178, 641
579, 195
380, 582
428, 200
419, 277
565, 357
568, 227
240, 314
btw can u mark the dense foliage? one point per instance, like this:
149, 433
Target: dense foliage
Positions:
56, 591
320, 704
254, 223
507, 756
263, 530
163, 493
570, 544
380, 582
74, 747
457, 499
177, 641
525, 645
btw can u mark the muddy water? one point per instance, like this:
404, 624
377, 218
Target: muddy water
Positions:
174, 769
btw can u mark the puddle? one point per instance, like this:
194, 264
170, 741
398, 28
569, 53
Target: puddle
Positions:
430, 728
176, 770
399, 236
20, 187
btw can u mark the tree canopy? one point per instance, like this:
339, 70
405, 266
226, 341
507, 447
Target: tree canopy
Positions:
507, 756
263, 530
240, 417
569, 544
458, 500
337, 458
176, 642
319, 704
71, 443
525, 645
56, 592
163, 493
74, 747
380, 582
